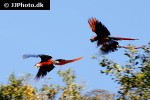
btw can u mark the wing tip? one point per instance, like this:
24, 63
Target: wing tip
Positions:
29, 55
25, 56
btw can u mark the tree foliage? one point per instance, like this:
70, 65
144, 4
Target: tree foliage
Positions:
69, 91
16, 90
98, 94
20, 89
134, 76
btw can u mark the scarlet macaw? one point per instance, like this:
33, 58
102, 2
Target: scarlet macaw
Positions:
103, 38
47, 63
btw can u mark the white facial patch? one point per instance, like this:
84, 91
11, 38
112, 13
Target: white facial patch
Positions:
37, 65
56, 62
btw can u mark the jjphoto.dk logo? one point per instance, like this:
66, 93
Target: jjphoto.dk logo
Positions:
25, 5
39, 4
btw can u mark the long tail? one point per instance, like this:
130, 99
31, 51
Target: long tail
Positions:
121, 38
73, 60
63, 61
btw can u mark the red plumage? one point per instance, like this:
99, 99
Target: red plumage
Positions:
103, 38
47, 64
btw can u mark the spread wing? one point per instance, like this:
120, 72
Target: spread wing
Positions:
98, 28
42, 56
109, 46
43, 71
45, 57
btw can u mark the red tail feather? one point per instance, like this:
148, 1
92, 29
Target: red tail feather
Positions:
62, 61
121, 38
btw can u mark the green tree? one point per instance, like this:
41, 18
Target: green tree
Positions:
98, 94
69, 91
72, 90
134, 76
20, 89
16, 90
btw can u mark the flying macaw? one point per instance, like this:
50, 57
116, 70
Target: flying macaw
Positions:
47, 63
103, 38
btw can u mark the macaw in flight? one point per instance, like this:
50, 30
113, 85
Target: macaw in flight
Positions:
103, 38
47, 63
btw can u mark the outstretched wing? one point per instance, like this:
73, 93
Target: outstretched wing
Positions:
42, 56
98, 28
63, 61
29, 55
45, 57
43, 71
109, 46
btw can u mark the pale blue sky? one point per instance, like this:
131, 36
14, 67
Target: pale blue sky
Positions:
63, 32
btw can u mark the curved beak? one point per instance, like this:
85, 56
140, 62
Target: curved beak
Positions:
94, 38
37, 65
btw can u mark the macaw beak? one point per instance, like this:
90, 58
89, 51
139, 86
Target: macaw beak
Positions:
94, 38
37, 65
